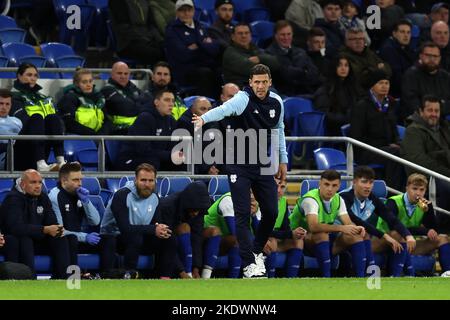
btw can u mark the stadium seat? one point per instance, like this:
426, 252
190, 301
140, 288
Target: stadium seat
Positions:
123, 181
77, 38
61, 55
218, 186
241, 6
92, 184
203, 16
88, 159
112, 39
204, 4
256, 14
262, 32
379, 189
170, 185
6, 183
98, 203
50, 183
112, 184
308, 124
308, 185
401, 131
345, 130
22, 52
12, 35
292, 107
99, 30
415, 36
73, 146
329, 158
7, 22
112, 148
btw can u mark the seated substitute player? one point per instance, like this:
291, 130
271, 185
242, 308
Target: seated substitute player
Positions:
220, 233
132, 221
417, 214
283, 239
364, 209
74, 210
316, 211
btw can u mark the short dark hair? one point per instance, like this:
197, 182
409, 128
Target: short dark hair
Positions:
325, 3
280, 24
67, 168
402, 22
429, 98
428, 44
260, 69
364, 172
5, 93
24, 66
161, 92
163, 64
144, 167
316, 32
241, 24
330, 175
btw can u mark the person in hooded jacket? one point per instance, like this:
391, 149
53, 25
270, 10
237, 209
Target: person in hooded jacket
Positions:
132, 226
157, 122
38, 116
81, 106
183, 212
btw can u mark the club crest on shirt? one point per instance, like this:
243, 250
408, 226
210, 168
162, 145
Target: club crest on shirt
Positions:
272, 113
256, 111
158, 131
67, 207
40, 209
150, 208
79, 204
233, 178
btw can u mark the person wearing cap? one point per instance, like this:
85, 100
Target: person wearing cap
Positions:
425, 77
192, 54
438, 12
373, 121
361, 57
222, 28
135, 30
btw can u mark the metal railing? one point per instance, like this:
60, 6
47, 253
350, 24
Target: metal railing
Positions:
305, 174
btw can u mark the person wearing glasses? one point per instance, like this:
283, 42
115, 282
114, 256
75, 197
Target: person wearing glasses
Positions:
360, 57
425, 78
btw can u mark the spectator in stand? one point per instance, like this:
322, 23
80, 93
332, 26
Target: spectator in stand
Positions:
200, 106
317, 51
162, 79
8, 125
440, 36
135, 31
191, 53
157, 122
81, 106
397, 52
337, 96
373, 122
332, 12
38, 116
349, 19
424, 78
391, 14
242, 55
361, 58
438, 12
297, 74
222, 28
123, 100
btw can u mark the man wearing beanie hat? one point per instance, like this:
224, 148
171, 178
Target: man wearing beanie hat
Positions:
222, 28
373, 122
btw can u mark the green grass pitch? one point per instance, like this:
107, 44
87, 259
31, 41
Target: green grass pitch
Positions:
228, 289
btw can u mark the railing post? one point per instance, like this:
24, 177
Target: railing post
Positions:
101, 156
432, 190
10, 156
349, 163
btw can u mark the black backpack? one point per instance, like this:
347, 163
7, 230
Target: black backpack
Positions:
15, 271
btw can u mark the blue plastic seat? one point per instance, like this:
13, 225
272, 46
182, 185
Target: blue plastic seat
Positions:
218, 186
329, 158
92, 184
401, 131
204, 4
12, 35
112, 148
308, 124
241, 6
262, 32
88, 158
308, 185
73, 146
99, 30
256, 14
6, 183
379, 189
292, 107
18, 53
61, 55
7, 22
170, 185
50, 183
3, 193
112, 184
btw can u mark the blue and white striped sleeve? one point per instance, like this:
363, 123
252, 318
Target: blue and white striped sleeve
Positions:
280, 127
234, 106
